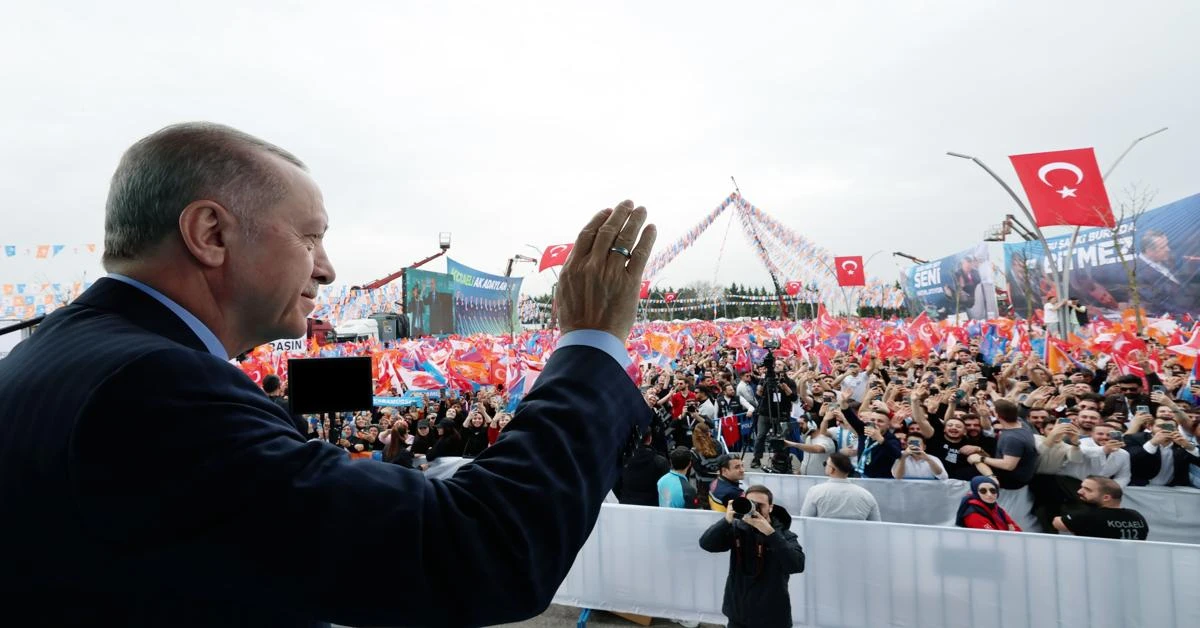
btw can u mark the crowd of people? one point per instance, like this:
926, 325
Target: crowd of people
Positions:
1073, 439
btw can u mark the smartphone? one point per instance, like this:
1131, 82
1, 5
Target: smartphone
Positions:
1168, 427
1062, 420
1160, 389
1143, 410
1115, 435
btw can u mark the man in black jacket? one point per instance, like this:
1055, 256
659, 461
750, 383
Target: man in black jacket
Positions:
1131, 395
764, 552
639, 477
273, 386
772, 407
878, 447
1161, 456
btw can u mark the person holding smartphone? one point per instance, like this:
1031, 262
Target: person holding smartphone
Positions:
915, 464
1161, 456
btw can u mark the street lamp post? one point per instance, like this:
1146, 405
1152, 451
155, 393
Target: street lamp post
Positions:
829, 268
1058, 276
1066, 288
1062, 279
863, 289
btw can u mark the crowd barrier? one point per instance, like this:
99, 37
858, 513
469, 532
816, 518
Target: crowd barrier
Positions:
648, 561
1172, 513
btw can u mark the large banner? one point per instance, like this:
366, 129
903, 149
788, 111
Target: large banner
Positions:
483, 303
429, 303
1163, 248
962, 283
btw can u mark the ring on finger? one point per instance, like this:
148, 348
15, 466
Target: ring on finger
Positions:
621, 250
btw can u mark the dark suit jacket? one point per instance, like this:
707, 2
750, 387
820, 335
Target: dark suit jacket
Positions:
146, 482
1143, 466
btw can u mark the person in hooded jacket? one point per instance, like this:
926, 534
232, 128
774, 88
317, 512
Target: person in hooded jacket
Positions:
981, 510
763, 553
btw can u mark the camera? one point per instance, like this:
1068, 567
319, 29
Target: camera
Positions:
771, 410
742, 507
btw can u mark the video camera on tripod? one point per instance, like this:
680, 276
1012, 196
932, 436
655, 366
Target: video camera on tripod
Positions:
770, 408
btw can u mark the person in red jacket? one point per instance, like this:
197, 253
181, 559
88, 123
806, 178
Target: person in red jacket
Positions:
980, 510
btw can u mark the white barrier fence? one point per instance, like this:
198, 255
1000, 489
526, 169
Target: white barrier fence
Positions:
1172, 513
648, 561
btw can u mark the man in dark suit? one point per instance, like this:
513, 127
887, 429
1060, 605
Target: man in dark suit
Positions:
214, 244
1161, 457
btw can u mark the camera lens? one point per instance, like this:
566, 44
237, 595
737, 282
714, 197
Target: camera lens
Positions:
742, 506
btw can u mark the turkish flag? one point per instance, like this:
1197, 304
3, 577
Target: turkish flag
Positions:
555, 256
896, 346
669, 297
1064, 187
645, 293
850, 271
793, 288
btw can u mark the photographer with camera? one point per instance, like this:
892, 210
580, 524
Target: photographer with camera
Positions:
764, 553
680, 430
776, 394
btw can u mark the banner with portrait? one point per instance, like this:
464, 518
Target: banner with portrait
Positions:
1163, 248
429, 303
483, 303
961, 284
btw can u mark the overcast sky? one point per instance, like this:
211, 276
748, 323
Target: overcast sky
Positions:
508, 123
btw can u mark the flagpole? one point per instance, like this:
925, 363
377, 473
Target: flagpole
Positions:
1066, 287
1058, 275
829, 268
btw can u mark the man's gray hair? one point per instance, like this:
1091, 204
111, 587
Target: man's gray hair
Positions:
175, 166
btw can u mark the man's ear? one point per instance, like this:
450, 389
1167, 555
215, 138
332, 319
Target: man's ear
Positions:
204, 227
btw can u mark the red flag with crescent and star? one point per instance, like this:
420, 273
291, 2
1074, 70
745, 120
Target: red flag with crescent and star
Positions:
850, 271
645, 293
669, 297
793, 288
555, 256
1064, 187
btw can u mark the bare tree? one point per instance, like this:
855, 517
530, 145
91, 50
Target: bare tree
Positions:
1134, 202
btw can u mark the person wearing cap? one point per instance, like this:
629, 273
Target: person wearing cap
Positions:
424, 439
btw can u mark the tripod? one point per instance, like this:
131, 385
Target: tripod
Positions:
770, 407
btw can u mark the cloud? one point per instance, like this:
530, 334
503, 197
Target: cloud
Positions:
510, 123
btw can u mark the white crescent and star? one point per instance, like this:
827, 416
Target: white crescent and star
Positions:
850, 266
1062, 165
555, 250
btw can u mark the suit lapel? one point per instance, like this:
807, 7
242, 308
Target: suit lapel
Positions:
141, 309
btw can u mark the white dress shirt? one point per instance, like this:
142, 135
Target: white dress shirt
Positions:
1113, 465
